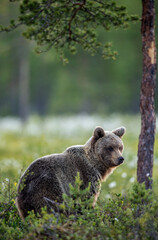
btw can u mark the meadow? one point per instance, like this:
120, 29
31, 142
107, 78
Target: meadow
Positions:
20, 144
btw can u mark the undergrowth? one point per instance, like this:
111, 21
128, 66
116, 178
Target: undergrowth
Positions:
133, 215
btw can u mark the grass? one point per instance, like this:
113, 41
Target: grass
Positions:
21, 145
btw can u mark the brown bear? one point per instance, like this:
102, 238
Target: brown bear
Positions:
47, 178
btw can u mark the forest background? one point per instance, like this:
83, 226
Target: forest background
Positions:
86, 85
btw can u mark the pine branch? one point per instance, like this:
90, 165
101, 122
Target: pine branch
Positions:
74, 15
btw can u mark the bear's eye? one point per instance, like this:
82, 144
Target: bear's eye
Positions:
110, 149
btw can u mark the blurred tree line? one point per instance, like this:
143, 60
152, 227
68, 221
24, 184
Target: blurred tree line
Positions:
41, 84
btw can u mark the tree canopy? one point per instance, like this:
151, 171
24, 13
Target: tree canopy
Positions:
66, 24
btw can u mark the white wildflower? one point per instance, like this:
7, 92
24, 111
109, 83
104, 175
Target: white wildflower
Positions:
3, 185
132, 179
112, 185
124, 175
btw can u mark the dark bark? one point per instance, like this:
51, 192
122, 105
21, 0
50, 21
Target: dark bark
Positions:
148, 84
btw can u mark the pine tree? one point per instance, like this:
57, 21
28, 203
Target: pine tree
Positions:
148, 84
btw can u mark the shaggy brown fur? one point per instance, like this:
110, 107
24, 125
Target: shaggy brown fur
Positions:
47, 178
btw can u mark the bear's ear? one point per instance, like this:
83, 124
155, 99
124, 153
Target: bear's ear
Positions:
119, 131
98, 133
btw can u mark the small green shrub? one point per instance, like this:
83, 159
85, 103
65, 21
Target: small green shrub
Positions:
133, 215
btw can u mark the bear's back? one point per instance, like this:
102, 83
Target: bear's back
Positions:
49, 177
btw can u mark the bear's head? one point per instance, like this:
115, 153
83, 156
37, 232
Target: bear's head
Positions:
107, 146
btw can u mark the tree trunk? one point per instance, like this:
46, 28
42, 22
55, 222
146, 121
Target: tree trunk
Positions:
23, 80
148, 84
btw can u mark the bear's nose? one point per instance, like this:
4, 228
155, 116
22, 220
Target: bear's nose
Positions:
120, 159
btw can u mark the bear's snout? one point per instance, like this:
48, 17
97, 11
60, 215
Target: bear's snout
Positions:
120, 160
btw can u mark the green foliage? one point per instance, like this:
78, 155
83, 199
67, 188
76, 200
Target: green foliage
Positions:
120, 217
140, 195
66, 24
73, 204
11, 226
